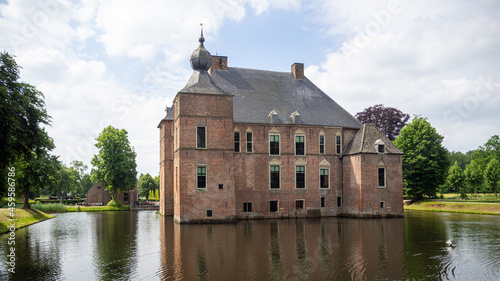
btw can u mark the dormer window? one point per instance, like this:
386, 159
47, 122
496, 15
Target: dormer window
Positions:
273, 116
295, 117
380, 146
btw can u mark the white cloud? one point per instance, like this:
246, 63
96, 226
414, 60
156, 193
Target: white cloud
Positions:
426, 59
110, 62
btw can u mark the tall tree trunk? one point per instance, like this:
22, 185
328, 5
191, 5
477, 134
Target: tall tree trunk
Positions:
26, 198
61, 197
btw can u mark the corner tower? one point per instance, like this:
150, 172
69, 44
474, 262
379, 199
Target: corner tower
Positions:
202, 168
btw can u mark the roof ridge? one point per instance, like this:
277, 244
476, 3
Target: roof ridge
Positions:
262, 70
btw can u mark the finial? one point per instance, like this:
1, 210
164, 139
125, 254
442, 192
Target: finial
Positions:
201, 40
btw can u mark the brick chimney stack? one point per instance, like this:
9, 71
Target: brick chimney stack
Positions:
297, 70
218, 62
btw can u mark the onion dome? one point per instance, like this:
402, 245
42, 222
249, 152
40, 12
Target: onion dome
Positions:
201, 59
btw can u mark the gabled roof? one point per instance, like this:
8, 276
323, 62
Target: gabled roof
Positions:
258, 92
366, 139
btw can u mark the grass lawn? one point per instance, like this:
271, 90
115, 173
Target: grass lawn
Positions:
59, 208
24, 218
473, 207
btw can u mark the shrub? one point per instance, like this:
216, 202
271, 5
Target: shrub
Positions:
49, 208
115, 203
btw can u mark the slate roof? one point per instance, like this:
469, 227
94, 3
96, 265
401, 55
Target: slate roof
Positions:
365, 139
258, 92
201, 83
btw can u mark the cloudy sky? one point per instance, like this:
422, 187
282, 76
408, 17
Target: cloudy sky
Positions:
121, 62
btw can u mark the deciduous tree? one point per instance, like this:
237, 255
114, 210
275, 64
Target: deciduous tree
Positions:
114, 165
388, 120
473, 176
146, 185
424, 160
456, 179
22, 137
492, 175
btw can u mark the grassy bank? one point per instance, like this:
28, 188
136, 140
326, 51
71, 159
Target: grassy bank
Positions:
59, 208
455, 207
24, 218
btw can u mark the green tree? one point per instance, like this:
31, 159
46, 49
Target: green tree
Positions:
492, 175
491, 149
40, 171
114, 165
474, 176
425, 160
80, 168
146, 183
456, 179
86, 185
69, 181
157, 195
22, 137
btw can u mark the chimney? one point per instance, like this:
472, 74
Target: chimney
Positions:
297, 70
218, 62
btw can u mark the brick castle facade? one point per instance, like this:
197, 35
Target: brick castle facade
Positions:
244, 144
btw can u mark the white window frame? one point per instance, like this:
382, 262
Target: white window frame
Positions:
328, 169
247, 142
303, 204
279, 144
338, 143
305, 177
206, 177
295, 144
381, 166
324, 143
279, 188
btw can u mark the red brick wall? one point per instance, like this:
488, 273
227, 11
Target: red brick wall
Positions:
361, 192
215, 113
252, 172
166, 168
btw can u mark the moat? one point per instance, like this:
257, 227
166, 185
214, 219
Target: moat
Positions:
147, 246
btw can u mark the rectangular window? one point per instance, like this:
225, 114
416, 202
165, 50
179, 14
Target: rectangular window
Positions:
339, 201
300, 145
249, 142
274, 176
299, 204
247, 207
381, 204
201, 137
322, 202
125, 197
381, 177
274, 144
321, 144
300, 176
221, 186
273, 206
338, 141
236, 141
324, 178
202, 177
209, 213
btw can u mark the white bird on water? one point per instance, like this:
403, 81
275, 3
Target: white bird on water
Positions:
449, 243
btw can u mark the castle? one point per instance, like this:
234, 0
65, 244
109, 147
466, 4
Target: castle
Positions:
244, 144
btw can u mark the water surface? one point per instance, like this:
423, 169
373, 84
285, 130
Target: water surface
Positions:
147, 246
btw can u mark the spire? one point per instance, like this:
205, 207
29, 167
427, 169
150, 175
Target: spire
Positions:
201, 59
202, 39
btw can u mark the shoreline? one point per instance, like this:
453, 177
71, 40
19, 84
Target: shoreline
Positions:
455, 207
22, 218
